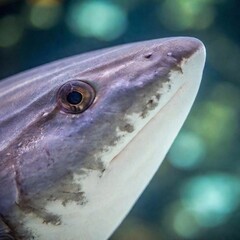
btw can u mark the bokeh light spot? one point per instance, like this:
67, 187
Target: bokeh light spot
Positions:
11, 31
184, 224
45, 14
101, 20
187, 151
211, 198
212, 122
187, 14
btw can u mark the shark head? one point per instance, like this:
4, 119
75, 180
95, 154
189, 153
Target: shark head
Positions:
103, 122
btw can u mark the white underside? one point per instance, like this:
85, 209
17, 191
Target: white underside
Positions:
110, 197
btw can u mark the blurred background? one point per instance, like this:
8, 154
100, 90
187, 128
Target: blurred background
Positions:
196, 192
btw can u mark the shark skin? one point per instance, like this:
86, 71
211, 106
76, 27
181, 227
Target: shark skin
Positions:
80, 138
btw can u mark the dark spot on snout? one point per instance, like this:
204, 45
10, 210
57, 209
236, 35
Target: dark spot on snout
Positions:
127, 128
150, 102
150, 105
52, 219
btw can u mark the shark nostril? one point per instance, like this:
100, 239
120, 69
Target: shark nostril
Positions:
148, 55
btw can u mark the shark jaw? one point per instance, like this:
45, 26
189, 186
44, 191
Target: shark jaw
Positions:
129, 166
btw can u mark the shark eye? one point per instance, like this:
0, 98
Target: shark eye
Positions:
75, 96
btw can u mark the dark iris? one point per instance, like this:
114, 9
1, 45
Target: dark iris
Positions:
74, 97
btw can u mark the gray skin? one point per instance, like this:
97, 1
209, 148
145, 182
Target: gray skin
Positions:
41, 146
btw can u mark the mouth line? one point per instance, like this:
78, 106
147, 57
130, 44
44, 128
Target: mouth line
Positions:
147, 122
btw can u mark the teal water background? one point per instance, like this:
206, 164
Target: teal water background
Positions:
196, 192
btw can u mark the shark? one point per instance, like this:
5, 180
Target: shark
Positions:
80, 138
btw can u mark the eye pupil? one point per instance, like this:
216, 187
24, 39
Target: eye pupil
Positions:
74, 97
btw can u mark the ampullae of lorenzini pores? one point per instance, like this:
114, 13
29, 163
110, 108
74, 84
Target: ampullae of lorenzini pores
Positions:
80, 138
